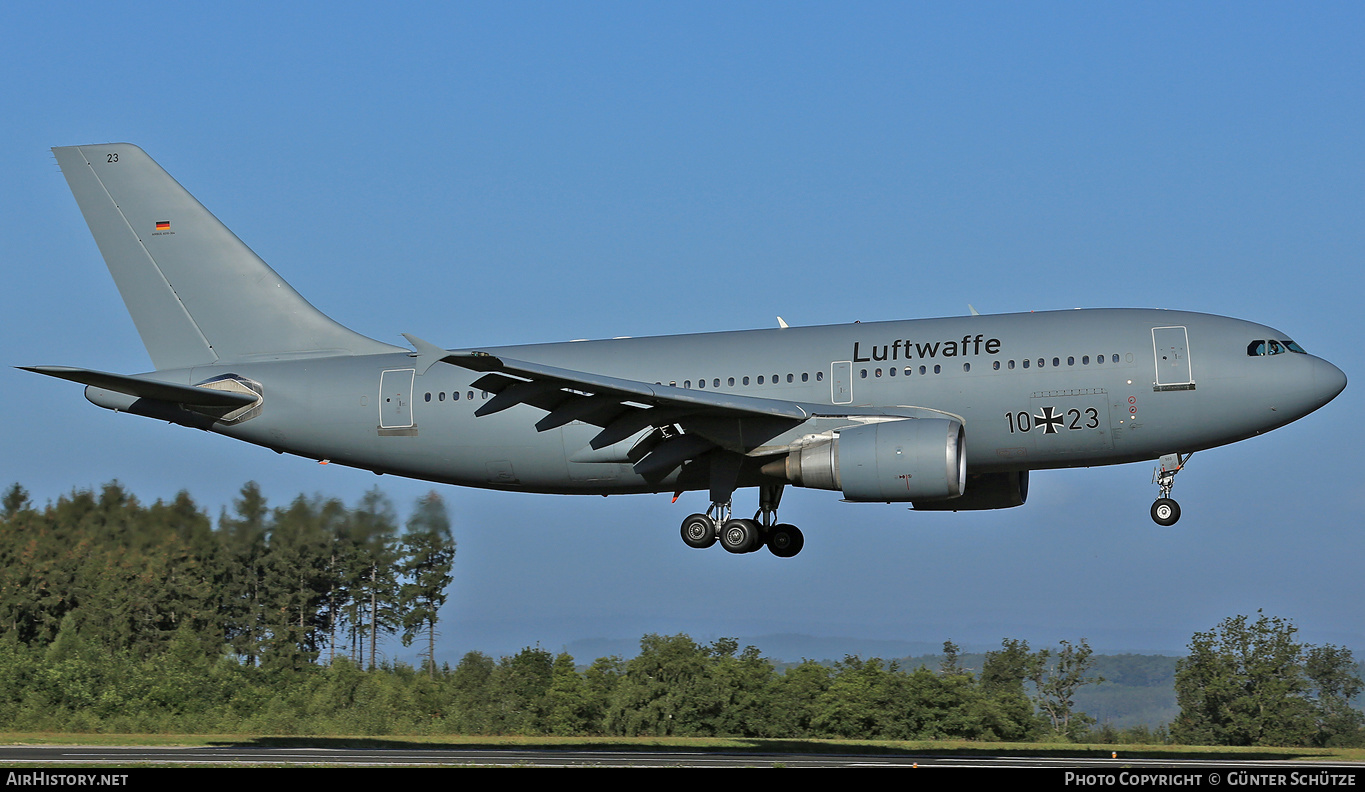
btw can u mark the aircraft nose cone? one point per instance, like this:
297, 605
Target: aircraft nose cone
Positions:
1328, 380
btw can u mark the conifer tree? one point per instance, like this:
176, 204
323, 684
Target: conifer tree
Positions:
428, 555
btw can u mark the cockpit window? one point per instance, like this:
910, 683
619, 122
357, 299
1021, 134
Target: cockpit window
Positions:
1273, 347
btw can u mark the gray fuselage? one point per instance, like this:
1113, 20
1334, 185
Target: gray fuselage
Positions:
1033, 391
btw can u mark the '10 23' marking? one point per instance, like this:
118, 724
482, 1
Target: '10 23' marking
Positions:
1052, 422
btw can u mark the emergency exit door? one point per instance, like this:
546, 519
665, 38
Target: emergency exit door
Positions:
395, 398
1172, 348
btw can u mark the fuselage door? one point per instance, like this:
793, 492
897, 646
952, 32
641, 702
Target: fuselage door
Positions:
1172, 348
841, 381
395, 398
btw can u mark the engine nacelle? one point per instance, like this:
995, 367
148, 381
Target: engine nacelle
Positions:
985, 491
915, 459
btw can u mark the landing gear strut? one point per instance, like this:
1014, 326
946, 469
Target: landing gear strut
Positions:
783, 540
745, 536
1166, 511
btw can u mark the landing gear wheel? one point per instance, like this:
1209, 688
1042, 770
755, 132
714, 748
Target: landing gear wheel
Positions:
740, 536
1165, 511
699, 531
785, 541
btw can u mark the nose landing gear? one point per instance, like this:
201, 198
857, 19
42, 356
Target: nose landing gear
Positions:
1166, 511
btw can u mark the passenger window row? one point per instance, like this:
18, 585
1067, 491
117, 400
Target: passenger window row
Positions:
455, 395
761, 379
907, 371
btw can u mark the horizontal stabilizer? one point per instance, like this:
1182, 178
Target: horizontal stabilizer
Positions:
148, 389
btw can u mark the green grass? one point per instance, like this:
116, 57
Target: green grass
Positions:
729, 745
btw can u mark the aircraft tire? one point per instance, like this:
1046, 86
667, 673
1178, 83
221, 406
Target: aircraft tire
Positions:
699, 531
785, 541
1165, 512
740, 536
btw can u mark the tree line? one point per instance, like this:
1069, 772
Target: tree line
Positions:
123, 617
1253, 683
285, 587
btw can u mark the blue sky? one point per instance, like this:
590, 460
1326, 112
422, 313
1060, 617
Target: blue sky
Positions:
521, 172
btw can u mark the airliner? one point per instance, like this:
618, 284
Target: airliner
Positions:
943, 414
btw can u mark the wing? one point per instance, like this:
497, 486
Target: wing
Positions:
687, 424
624, 408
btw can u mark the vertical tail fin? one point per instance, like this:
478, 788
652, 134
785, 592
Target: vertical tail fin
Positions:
197, 294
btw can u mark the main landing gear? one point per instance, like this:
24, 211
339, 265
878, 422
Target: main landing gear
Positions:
1166, 511
745, 536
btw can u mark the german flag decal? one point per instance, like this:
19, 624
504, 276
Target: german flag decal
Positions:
163, 225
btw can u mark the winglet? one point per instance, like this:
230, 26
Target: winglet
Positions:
427, 353
973, 310
780, 323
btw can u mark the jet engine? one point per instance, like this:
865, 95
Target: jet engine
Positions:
985, 491
915, 459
